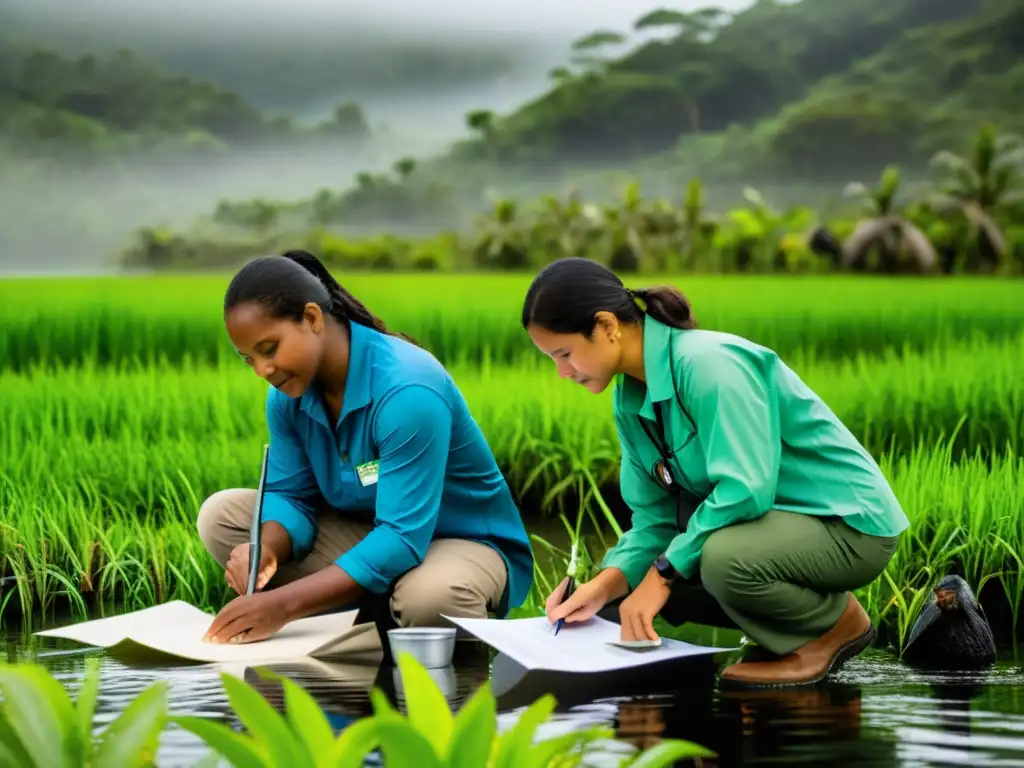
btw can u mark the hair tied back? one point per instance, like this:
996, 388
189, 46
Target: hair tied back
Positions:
638, 297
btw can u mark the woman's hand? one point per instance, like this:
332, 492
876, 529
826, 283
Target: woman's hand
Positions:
637, 612
248, 618
584, 602
236, 570
587, 599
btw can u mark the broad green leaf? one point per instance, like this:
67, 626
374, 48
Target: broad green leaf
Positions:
401, 745
517, 740
12, 751
308, 722
132, 739
543, 754
40, 712
355, 743
85, 707
473, 730
241, 751
382, 706
264, 723
210, 760
428, 709
667, 753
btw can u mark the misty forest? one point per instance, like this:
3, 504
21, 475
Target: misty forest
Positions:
799, 136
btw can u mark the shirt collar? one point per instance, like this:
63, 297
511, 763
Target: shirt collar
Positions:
638, 398
363, 342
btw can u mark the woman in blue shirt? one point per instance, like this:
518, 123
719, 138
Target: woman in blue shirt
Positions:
379, 482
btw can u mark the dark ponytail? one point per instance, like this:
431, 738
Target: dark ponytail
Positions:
567, 294
667, 305
285, 284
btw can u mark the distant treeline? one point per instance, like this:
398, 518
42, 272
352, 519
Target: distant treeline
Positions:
969, 219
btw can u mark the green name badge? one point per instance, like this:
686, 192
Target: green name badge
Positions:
368, 473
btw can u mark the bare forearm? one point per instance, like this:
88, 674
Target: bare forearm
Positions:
614, 583
274, 537
327, 588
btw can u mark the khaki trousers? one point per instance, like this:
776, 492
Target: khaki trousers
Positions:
457, 577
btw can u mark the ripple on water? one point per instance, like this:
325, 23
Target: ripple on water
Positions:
875, 712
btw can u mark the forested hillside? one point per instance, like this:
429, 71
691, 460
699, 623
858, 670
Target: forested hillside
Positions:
817, 87
88, 107
279, 61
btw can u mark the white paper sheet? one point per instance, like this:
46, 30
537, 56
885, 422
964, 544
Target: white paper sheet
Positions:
177, 629
583, 647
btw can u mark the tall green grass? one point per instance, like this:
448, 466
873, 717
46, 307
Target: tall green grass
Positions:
102, 470
68, 543
124, 407
121, 431
475, 318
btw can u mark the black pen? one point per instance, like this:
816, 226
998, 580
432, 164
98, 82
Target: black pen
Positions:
256, 530
570, 585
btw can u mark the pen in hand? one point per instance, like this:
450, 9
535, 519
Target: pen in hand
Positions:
569, 587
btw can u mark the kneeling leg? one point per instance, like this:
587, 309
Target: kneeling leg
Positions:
786, 580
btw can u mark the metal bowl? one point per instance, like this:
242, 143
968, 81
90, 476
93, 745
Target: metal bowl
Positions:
433, 647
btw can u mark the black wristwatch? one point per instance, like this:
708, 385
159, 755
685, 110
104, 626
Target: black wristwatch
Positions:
665, 569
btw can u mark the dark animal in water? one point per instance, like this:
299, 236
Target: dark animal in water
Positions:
952, 631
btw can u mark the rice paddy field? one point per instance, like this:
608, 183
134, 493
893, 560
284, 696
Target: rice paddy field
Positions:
124, 406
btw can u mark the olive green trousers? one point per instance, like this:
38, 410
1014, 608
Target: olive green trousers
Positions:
782, 579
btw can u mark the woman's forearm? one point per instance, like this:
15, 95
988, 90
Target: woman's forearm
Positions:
274, 537
327, 588
613, 582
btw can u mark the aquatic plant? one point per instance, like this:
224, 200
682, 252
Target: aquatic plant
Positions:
40, 726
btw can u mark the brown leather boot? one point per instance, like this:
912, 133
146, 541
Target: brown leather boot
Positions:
812, 662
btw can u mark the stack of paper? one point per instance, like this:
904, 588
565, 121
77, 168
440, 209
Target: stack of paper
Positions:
177, 629
589, 646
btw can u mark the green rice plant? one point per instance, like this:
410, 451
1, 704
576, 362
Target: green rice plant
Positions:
474, 318
40, 727
139, 436
963, 514
427, 736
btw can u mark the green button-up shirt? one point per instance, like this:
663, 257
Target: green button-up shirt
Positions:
759, 439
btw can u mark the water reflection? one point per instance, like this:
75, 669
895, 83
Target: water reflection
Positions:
875, 712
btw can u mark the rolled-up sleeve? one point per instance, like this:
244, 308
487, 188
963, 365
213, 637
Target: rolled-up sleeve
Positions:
734, 407
653, 520
291, 488
412, 428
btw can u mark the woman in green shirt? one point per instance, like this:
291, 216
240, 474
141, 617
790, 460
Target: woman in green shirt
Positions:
753, 506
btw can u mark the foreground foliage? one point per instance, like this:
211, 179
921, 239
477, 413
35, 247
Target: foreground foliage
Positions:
40, 727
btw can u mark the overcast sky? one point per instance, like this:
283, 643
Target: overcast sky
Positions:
548, 17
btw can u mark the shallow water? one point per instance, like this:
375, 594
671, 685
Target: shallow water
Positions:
874, 712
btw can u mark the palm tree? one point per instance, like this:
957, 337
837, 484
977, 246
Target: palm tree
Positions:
977, 186
886, 228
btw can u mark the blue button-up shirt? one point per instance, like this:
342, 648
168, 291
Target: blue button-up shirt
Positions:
437, 476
